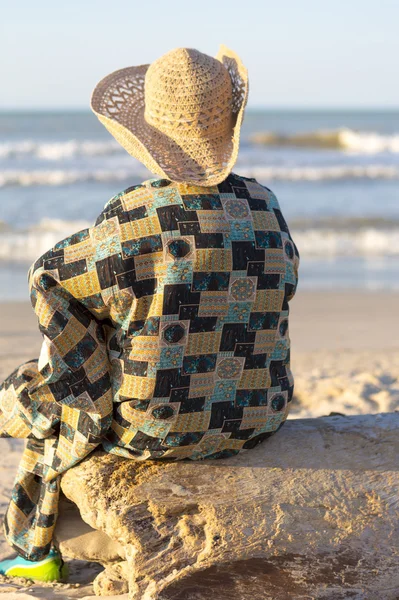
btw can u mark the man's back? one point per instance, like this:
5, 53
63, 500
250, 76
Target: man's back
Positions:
165, 336
196, 283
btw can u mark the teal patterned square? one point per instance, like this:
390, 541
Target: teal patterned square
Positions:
165, 197
224, 391
242, 231
180, 271
238, 313
91, 263
168, 195
280, 350
171, 357
272, 422
156, 429
227, 239
108, 247
272, 201
151, 209
289, 273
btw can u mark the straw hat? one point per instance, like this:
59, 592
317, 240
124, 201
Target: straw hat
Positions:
181, 115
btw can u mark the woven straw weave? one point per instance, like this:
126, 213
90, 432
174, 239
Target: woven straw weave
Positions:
180, 116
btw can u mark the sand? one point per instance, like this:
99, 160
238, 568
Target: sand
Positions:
345, 359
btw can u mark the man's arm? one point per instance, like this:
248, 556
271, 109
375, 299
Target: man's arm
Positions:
73, 368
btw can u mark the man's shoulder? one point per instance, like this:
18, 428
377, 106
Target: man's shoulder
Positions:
259, 196
252, 183
132, 197
137, 201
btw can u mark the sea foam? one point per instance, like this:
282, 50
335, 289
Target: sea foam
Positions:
346, 139
58, 177
316, 173
17, 245
54, 151
362, 142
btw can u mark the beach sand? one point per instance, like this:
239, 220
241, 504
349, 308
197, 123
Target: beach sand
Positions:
345, 359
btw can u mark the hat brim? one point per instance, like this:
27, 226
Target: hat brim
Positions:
118, 100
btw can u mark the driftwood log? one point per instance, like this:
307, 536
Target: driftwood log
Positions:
310, 513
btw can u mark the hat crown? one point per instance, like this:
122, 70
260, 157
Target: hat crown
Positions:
188, 93
180, 116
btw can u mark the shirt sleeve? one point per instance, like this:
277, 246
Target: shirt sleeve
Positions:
289, 247
73, 369
296, 265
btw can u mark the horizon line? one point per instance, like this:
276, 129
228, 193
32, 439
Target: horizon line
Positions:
249, 108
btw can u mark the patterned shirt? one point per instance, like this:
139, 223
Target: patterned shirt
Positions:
165, 336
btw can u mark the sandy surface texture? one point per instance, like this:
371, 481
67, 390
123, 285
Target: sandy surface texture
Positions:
345, 359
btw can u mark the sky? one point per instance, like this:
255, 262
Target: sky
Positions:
299, 53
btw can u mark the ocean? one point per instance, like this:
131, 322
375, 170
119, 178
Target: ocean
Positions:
335, 173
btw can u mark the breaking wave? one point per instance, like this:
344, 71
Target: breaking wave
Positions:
11, 178
63, 177
17, 245
346, 139
368, 242
362, 142
54, 151
328, 173
315, 238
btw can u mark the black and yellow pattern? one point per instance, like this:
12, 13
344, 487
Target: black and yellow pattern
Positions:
165, 332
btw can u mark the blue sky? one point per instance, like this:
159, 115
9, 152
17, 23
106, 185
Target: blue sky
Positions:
299, 53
